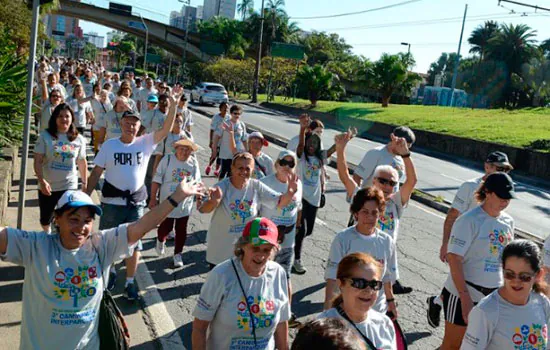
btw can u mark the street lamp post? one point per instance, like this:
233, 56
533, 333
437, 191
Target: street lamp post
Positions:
184, 55
259, 60
146, 42
409, 45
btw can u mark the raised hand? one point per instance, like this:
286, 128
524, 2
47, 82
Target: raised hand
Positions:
341, 140
216, 193
227, 126
400, 145
190, 188
305, 120
292, 183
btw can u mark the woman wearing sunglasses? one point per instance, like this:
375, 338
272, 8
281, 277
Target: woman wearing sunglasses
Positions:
285, 217
477, 240
517, 314
50, 100
359, 277
244, 303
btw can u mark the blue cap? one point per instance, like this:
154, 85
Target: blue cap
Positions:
77, 199
153, 98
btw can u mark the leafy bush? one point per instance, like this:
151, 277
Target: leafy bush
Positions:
141, 72
542, 145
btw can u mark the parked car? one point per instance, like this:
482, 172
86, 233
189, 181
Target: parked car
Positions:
209, 93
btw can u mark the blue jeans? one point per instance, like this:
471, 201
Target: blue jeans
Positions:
115, 215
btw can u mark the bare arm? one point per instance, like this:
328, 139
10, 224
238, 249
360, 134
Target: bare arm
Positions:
3, 240
331, 151
101, 135
342, 164
450, 219
301, 141
198, 336
83, 170
44, 87
457, 274
286, 198
156, 162
281, 336
214, 146
408, 187
358, 180
94, 178
168, 122
155, 186
213, 202
330, 293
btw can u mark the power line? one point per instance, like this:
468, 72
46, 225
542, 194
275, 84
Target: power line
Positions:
524, 4
358, 12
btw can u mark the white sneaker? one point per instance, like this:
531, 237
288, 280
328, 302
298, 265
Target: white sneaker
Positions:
160, 248
177, 261
171, 235
298, 268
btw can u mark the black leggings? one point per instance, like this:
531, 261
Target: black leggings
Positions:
307, 221
225, 170
47, 205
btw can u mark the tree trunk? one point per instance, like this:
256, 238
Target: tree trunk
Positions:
385, 101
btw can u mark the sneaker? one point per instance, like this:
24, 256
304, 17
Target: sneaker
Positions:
171, 235
208, 170
216, 173
112, 281
131, 291
297, 268
177, 261
293, 322
160, 248
400, 289
434, 312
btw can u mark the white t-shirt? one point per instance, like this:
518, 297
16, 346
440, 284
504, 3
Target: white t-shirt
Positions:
223, 304
546, 252
153, 120
286, 216
170, 172
263, 166
125, 164
167, 145
60, 158
389, 221
480, 240
45, 115
240, 135
100, 110
496, 324
216, 121
88, 87
80, 111
111, 122
379, 245
464, 198
115, 86
310, 172
144, 95
63, 288
378, 328
187, 117
236, 209
379, 156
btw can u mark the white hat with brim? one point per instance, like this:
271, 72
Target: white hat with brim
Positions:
187, 143
77, 199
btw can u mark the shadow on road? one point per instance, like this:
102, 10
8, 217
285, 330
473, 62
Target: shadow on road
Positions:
12, 273
11, 292
414, 336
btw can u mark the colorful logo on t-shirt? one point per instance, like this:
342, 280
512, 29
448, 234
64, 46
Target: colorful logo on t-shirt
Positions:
263, 313
311, 172
179, 174
498, 239
386, 222
63, 151
76, 285
530, 337
241, 210
288, 209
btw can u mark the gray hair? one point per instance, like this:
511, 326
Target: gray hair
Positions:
386, 169
241, 242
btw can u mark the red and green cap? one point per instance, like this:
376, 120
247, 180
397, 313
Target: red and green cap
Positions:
261, 231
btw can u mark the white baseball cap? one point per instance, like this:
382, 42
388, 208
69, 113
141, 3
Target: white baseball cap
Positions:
77, 199
259, 135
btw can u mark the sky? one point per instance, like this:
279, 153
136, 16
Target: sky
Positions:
430, 26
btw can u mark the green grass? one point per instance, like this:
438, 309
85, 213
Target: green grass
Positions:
515, 128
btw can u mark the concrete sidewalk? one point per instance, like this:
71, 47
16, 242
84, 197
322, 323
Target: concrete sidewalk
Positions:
11, 277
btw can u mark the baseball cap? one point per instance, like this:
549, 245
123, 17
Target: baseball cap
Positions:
287, 153
77, 199
153, 99
186, 142
500, 159
261, 231
260, 136
131, 113
500, 184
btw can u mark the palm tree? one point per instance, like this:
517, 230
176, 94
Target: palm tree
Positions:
479, 39
245, 7
315, 81
391, 75
276, 6
545, 47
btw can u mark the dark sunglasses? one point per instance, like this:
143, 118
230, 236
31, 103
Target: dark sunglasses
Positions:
503, 169
523, 277
55, 96
361, 283
289, 163
386, 181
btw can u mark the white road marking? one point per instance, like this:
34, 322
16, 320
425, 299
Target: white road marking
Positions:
427, 211
452, 178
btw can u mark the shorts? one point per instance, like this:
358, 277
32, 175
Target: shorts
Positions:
453, 308
115, 215
47, 206
285, 257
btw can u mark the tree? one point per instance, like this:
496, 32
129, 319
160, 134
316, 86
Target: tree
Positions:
479, 39
391, 75
535, 78
245, 7
322, 48
228, 32
318, 82
545, 47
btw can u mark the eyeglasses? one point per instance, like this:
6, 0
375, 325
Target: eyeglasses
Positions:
386, 181
503, 169
361, 283
524, 277
289, 163
55, 96
236, 113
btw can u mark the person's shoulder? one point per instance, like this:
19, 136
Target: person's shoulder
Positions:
223, 269
504, 216
45, 135
80, 139
383, 236
269, 179
274, 268
348, 232
489, 303
378, 318
330, 313
112, 142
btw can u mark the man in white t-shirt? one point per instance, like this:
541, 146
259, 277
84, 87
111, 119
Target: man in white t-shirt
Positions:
216, 121
124, 196
144, 94
384, 155
464, 201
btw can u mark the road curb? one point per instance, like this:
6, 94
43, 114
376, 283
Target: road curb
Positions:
418, 195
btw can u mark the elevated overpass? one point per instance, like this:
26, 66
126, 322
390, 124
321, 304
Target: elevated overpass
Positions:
169, 38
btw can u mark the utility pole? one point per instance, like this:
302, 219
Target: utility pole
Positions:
28, 111
455, 74
259, 59
146, 42
187, 15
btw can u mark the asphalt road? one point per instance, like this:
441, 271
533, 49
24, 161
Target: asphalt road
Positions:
418, 248
438, 177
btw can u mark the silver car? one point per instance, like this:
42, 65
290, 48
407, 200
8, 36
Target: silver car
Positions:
209, 93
